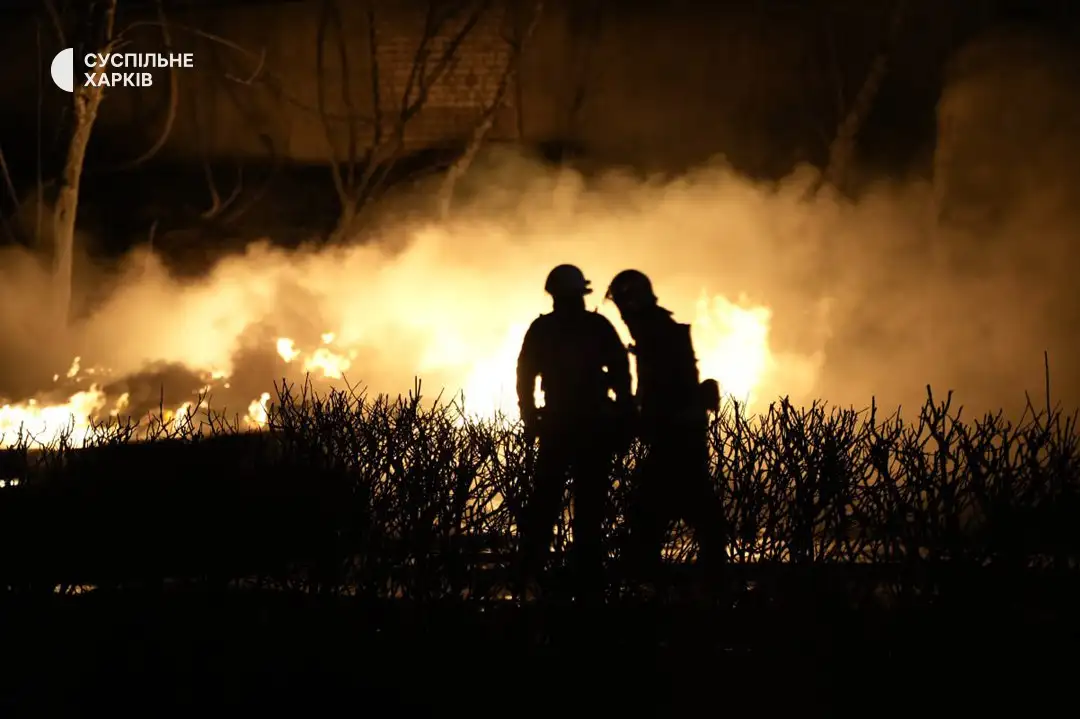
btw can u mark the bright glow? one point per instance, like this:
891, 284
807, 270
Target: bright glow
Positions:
445, 302
731, 341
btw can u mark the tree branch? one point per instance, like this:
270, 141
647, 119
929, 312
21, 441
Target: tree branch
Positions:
217, 206
442, 65
346, 93
255, 197
39, 179
87, 100
588, 26
376, 90
174, 100
487, 118
835, 71
376, 173
58, 26
842, 149
340, 187
270, 79
9, 185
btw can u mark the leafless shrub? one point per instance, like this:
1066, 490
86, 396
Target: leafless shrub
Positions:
346, 492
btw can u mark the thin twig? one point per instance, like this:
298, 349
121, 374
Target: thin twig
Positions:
174, 101
346, 92
250, 79
373, 60
39, 210
343, 191
377, 173
58, 26
843, 145
260, 71
487, 117
8, 230
9, 184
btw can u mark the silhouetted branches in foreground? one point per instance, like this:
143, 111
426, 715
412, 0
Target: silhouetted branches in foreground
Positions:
345, 492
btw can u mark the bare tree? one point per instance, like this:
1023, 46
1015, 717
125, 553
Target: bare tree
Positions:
853, 117
87, 100
219, 205
508, 79
586, 22
227, 209
9, 187
173, 101
360, 172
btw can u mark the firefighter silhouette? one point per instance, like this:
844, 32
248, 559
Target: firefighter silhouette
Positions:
581, 363
673, 422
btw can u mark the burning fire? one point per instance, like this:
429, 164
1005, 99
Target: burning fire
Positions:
731, 338
446, 302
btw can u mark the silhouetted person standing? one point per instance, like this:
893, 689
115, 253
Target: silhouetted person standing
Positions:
674, 405
580, 360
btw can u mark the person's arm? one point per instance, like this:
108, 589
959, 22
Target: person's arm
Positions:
689, 359
617, 361
618, 367
528, 368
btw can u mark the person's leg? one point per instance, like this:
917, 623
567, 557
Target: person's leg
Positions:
700, 505
647, 520
542, 509
592, 482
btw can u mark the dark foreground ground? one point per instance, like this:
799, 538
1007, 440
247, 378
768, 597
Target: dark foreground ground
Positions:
959, 617
148, 655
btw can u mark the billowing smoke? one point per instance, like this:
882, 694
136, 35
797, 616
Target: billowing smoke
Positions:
872, 296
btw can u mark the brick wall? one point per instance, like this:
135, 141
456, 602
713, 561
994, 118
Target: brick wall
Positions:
463, 91
661, 87
454, 102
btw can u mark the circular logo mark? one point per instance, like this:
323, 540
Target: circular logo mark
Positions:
63, 70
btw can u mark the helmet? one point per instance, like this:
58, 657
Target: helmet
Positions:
631, 288
567, 281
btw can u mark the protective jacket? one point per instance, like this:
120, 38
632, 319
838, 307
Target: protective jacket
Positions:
669, 389
579, 357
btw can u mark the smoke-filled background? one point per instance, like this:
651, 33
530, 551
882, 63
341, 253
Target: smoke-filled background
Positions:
961, 281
